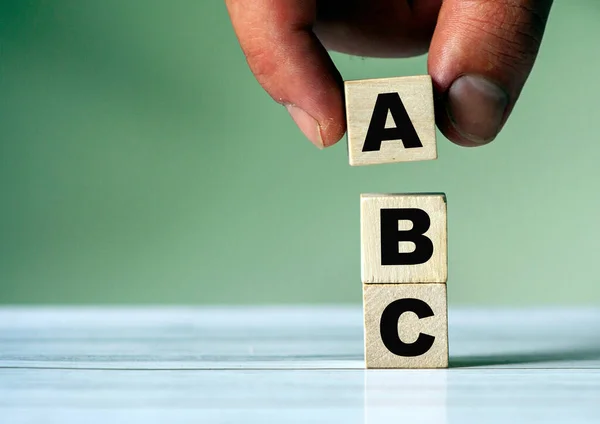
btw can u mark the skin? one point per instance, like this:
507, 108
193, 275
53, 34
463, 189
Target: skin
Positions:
480, 55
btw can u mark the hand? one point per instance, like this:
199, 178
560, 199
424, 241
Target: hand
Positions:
480, 55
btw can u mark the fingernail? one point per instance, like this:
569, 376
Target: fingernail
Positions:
307, 124
476, 107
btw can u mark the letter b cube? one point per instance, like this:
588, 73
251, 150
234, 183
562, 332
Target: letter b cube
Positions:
403, 238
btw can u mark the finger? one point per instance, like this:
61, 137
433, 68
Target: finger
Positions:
377, 28
481, 54
291, 64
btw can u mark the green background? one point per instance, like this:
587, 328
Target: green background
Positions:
141, 163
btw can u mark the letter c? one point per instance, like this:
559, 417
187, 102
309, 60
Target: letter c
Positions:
389, 327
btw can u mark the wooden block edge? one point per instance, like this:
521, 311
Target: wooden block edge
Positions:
407, 78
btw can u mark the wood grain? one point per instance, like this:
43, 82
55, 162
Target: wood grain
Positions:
435, 270
416, 94
377, 297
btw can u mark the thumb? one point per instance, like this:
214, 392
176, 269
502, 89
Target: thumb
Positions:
481, 54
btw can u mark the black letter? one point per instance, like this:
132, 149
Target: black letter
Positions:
388, 327
404, 130
390, 236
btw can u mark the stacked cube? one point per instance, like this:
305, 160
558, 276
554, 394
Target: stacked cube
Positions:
403, 236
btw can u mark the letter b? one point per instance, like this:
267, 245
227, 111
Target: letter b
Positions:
391, 236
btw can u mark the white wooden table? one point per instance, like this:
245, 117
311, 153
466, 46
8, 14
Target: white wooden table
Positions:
289, 365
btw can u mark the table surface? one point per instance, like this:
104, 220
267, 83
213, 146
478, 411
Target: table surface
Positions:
289, 365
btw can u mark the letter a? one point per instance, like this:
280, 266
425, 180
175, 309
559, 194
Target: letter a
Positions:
404, 130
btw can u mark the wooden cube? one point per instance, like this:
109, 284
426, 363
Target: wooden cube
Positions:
390, 120
403, 238
406, 325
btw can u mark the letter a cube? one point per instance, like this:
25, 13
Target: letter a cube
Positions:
390, 120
